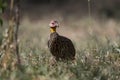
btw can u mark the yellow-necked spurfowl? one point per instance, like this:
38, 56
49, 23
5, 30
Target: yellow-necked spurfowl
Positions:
61, 47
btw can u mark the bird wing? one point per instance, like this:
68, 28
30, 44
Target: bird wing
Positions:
68, 46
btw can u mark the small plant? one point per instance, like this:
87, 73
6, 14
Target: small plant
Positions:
2, 8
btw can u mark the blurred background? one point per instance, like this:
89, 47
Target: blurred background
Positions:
73, 17
38, 9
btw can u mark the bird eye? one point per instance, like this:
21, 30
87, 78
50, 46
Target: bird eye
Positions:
52, 23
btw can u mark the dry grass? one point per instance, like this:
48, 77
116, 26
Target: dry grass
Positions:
97, 51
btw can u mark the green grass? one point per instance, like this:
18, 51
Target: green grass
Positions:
1, 37
97, 57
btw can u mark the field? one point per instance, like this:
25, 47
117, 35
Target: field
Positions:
97, 46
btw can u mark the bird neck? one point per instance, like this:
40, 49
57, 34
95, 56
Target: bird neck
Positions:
53, 29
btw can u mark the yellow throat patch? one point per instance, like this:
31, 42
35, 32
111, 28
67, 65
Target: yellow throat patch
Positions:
53, 29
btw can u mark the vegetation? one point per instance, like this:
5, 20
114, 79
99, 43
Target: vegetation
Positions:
97, 52
2, 8
97, 59
1, 37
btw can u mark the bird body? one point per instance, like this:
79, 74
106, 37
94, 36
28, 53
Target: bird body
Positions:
61, 47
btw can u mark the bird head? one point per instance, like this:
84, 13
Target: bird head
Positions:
53, 25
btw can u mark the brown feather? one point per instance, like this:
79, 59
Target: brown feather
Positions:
61, 47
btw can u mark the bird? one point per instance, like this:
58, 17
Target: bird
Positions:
60, 47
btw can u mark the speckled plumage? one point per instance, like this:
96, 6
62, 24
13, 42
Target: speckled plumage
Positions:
61, 47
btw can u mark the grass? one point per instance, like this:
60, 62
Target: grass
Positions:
97, 53
1, 37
